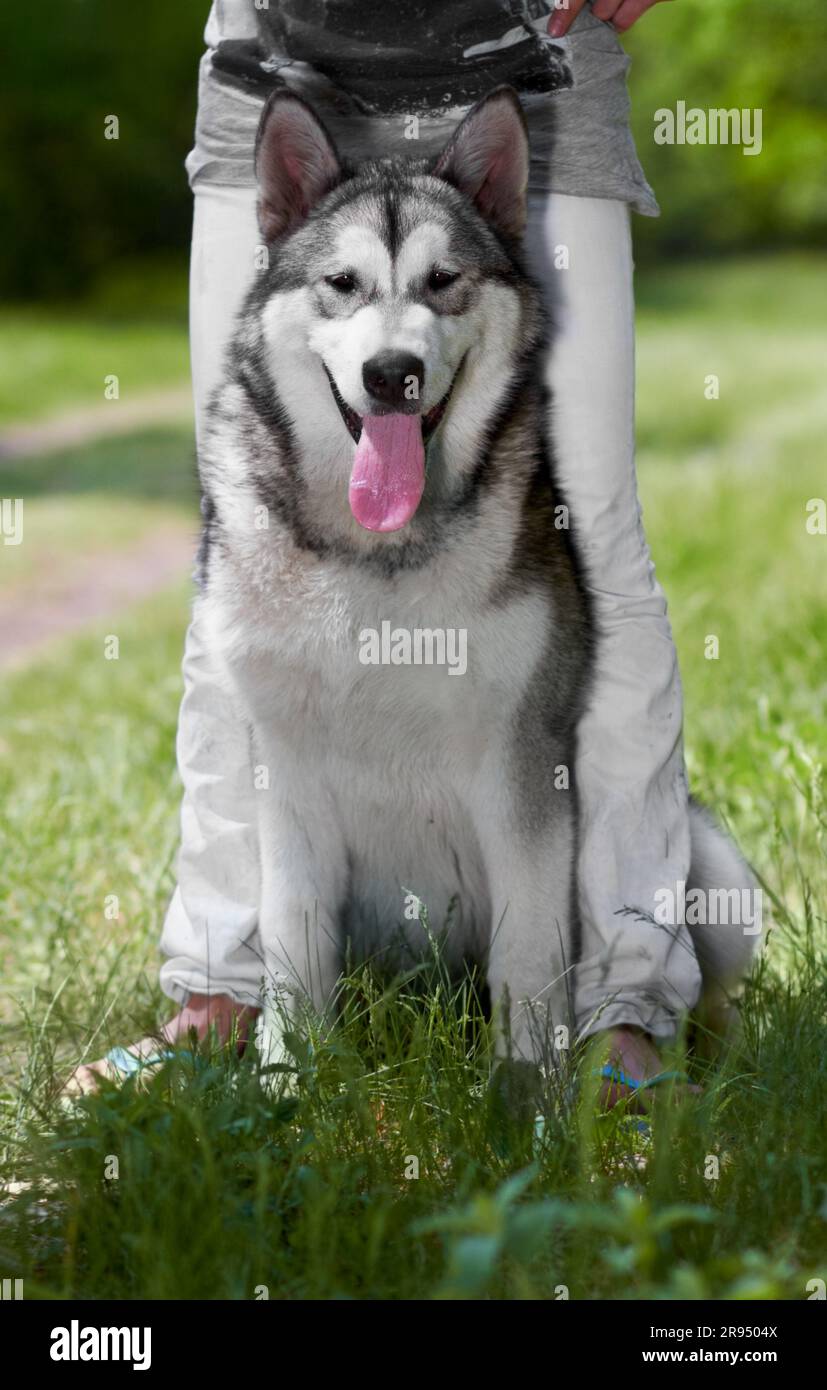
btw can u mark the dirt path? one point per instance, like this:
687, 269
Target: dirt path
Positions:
75, 427
77, 591
71, 592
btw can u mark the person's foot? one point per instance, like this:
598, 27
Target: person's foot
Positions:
633, 1053
204, 1013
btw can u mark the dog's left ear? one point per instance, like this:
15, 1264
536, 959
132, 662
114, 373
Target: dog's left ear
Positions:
487, 160
296, 163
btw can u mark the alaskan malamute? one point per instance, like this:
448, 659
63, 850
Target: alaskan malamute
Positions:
376, 478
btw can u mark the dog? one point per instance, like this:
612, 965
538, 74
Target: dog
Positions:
374, 464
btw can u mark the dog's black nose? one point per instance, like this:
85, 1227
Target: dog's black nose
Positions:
395, 379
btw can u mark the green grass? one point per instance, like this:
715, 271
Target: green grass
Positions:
225, 1184
51, 362
756, 325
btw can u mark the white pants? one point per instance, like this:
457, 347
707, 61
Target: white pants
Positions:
630, 773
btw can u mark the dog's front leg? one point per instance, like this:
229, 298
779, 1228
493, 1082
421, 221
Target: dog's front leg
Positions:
530, 858
304, 881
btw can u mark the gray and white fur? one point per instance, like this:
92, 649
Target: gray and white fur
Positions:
395, 780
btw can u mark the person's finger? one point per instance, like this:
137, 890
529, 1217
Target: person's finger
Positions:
562, 19
606, 9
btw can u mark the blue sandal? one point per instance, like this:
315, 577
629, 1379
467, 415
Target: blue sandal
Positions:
610, 1073
127, 1064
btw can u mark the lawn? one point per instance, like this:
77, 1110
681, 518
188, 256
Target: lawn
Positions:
390, 1169
52, 362
56, 357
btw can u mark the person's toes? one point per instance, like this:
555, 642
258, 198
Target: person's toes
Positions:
86, 1079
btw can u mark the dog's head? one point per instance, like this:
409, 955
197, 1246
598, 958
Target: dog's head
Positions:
395, 301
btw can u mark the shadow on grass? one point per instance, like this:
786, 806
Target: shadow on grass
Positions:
155, 465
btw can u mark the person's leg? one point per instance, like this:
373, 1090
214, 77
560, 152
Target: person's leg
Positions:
634, 824
211, 928
210, 935
225, 243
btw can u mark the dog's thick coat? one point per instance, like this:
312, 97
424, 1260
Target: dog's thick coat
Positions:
399, 289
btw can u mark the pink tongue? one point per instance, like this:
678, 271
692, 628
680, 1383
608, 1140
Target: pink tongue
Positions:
388, 472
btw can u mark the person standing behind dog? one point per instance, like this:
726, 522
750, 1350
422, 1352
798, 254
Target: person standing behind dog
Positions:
391, 80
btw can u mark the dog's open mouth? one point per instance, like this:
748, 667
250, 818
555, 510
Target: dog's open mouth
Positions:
353, 421
388, 475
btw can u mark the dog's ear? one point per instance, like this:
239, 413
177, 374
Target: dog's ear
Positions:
487, 160
296, 163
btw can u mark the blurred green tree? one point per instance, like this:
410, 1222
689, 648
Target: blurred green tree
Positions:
725, 54
72, 201
74, 204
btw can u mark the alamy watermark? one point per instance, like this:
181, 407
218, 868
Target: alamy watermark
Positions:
699, 907
81, 1343
415, 646
716, 126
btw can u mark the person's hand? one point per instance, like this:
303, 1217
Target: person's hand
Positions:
621, 14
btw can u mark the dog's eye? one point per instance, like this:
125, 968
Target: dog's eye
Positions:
441, 279
342, 282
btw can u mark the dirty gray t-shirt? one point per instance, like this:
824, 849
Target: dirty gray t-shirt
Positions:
395, 78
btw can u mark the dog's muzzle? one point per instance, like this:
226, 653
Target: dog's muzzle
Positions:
353, 421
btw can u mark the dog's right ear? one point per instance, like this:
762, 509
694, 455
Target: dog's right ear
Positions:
296, 163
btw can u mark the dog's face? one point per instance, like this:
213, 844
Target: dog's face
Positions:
396, 277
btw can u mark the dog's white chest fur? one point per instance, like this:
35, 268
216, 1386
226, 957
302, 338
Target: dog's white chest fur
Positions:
388, 758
